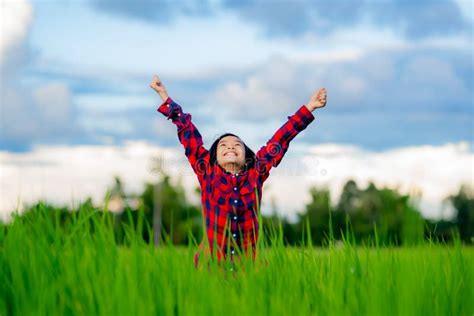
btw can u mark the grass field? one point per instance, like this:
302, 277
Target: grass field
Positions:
78, 269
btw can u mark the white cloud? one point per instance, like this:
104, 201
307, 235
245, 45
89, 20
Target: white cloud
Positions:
436, 171
66, 175
376, 93
29, 112
16, 20
421, 76
62, 174
467, 9
268, 89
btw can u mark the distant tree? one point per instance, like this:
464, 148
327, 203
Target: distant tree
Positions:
463, 202
271, 226
316, 213
115, 197
385, 210
178, 216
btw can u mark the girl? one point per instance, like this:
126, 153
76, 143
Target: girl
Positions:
231, 175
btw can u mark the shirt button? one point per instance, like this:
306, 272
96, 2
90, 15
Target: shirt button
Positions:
235, 189
234, 235
235, 201
179, 114
232, 251
235, 217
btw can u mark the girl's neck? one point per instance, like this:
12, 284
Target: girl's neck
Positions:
232, 167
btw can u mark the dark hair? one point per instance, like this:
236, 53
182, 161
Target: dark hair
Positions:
249, 154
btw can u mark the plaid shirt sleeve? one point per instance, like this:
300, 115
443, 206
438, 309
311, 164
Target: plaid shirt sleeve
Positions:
188, 135
272, 153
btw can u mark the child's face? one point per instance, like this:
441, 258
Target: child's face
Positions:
230, 149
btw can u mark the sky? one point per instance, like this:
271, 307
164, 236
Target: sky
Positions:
76, 106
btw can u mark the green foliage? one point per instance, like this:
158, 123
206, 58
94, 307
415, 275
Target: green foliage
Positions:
463, 202
316, 215
383, 210
51, 264
356, 216
178, 216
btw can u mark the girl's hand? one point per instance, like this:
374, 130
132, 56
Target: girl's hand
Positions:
159, 87
318, 100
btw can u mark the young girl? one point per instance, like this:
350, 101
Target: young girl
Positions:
231, 175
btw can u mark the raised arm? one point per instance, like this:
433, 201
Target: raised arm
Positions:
272, 153
188, 134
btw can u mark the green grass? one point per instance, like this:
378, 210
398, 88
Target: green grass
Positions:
79, 269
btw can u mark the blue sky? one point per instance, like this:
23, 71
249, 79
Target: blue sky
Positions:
398, 73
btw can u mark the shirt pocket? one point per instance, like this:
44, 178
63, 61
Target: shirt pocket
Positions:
249, 186
248, 195
221, 190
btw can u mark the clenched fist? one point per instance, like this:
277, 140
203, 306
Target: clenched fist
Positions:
159, 87
317, 100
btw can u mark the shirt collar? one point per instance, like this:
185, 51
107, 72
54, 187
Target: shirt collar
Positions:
221, 170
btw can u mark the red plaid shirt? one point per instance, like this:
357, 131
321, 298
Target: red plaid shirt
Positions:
230, 201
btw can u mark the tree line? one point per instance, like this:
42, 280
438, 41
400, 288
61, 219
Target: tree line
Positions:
362, 215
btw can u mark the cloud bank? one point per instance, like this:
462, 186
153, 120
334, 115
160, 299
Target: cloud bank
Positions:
66, 175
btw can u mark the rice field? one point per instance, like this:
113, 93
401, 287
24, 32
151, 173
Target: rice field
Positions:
78, 268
